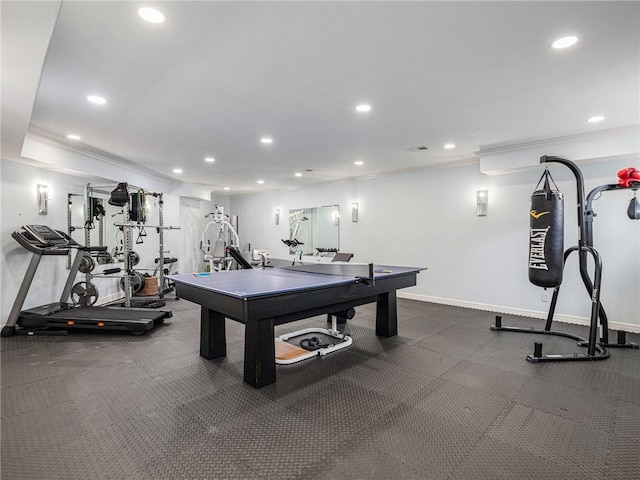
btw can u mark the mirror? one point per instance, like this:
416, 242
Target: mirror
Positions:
314, 230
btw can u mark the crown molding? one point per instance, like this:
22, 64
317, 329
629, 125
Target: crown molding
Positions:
550, 141
610, 143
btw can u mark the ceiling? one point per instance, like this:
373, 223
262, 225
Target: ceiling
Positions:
217, 76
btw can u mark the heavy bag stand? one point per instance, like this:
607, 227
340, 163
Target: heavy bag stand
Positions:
596, 348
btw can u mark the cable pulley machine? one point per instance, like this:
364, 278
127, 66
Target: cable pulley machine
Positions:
134, 213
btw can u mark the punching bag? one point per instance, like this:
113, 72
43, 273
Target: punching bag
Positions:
546, 234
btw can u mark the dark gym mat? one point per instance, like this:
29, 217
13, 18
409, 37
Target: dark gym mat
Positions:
445, 399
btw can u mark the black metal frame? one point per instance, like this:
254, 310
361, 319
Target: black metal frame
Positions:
596, 348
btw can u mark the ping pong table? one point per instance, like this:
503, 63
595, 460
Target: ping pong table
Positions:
265, 297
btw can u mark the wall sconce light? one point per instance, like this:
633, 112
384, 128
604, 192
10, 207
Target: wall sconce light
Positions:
354, 212
482, 198
43, 199
277, 216
337, 219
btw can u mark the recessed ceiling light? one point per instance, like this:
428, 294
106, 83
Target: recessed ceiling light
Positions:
73, 136
97, 99
358, 162
298, 174
209, 159
595, 119
260, 182
449, 146
227, 188
266, 140
177, 170
363, 108
564, 42
151, 15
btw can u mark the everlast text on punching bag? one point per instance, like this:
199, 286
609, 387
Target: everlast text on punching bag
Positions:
546, 235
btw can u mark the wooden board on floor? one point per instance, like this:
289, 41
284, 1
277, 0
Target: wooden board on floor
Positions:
286, 351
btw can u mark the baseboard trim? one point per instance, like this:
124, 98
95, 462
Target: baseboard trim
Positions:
626, 327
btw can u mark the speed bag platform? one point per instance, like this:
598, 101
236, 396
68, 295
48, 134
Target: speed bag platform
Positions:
546, 235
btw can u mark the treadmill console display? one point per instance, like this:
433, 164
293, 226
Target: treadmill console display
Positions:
45, 235
44, 240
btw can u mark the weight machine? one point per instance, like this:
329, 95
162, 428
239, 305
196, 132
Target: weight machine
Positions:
217, 254
295, 220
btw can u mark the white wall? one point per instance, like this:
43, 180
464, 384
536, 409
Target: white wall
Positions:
18, 206
192, 220
428, 218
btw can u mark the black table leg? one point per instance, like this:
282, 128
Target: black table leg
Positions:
387, 315
259, 353
213, 337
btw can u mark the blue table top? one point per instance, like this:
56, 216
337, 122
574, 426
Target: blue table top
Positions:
272, 281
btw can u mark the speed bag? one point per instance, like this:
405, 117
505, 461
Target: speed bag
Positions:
546, 238
633, 210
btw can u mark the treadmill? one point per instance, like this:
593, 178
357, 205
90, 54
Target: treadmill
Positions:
59, 317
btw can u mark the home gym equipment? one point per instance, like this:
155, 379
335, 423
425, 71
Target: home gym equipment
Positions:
133, 200
546, 234
332, 341
216, 254
93, 217
295, 220
633, 210
292, 244
168, 267
342, 257
627, 178
242, 262
596, 347
133, 281
49, 319
120, 195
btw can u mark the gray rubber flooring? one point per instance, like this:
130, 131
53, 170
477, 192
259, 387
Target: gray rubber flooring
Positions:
445, 399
